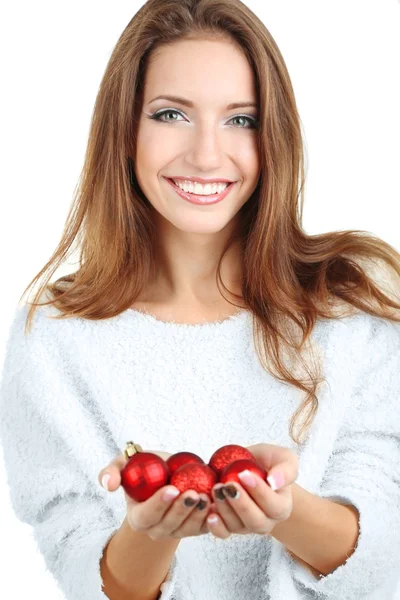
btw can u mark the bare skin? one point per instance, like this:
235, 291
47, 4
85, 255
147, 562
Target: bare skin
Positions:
205, 141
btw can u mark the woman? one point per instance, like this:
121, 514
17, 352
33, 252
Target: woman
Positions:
141, 342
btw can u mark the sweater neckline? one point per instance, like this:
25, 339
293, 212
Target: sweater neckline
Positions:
239, 316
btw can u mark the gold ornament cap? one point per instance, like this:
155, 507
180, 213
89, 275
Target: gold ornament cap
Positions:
132, 449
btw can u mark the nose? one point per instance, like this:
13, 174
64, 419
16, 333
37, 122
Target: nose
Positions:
207, 149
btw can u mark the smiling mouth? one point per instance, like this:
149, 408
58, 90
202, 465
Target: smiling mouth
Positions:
198, 198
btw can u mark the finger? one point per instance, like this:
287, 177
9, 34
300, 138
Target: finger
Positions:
113, 469
147, 514
229, 516
211, 509
205, 530
217, 527
182, 520
277, 460
253, 517
259, 507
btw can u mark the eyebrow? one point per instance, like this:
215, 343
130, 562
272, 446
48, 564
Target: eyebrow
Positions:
190, 104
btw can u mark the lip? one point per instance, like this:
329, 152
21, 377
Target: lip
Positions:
201, 200
201, 180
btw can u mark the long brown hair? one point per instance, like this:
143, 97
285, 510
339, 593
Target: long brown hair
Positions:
290, 278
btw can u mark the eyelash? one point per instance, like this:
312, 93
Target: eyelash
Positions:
156, 117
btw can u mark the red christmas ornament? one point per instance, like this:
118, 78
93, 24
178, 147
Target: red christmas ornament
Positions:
228, 454
230, 473
195, 476
182, 458
143, 475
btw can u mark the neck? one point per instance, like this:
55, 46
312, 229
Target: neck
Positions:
185, 266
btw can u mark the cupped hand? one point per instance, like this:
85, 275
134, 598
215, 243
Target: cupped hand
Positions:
257, 509
159, 517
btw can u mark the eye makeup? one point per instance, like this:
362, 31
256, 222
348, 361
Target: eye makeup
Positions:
160, 113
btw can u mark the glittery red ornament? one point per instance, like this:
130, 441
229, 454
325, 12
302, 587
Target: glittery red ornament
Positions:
143, 475
228, 454
182, 458
195, 476
230, 473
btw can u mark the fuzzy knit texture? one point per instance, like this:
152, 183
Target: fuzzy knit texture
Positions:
77, 390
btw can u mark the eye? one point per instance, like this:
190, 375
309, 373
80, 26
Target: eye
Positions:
251, 120
157, 117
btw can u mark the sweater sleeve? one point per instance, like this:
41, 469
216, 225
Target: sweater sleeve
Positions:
49, 489
364, 471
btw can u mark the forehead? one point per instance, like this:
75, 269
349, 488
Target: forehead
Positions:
201, 71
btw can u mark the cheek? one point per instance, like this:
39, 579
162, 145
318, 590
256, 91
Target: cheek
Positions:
246, 156
155, 153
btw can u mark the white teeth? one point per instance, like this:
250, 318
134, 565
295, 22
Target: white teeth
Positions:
201, 190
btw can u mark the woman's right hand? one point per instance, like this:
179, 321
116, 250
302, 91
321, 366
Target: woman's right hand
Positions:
157, 517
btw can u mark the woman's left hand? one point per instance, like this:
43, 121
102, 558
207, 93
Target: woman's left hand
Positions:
257, 509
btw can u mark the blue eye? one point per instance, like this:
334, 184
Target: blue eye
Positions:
157, 117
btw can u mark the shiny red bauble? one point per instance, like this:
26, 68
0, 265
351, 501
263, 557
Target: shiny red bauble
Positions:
228, 454
143, 475
195, 476
230, 473
182, 458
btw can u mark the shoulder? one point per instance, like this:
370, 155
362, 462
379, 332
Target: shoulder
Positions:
47, 329
361, 327
381, 337
358, 350
374, 354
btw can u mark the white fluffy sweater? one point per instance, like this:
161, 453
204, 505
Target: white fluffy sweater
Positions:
75, 391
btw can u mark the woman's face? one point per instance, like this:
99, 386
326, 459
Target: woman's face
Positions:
205, 140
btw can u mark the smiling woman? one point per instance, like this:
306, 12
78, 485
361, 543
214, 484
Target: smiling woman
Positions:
210, 141
197, 95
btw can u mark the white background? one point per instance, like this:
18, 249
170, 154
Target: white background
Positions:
344, 61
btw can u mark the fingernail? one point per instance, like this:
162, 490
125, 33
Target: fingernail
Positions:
232, 491
247, 478
190, 501
219, 494
170, 493
276, 481
104, 481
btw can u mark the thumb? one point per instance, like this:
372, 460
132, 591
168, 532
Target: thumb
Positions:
110, 477
280, 463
